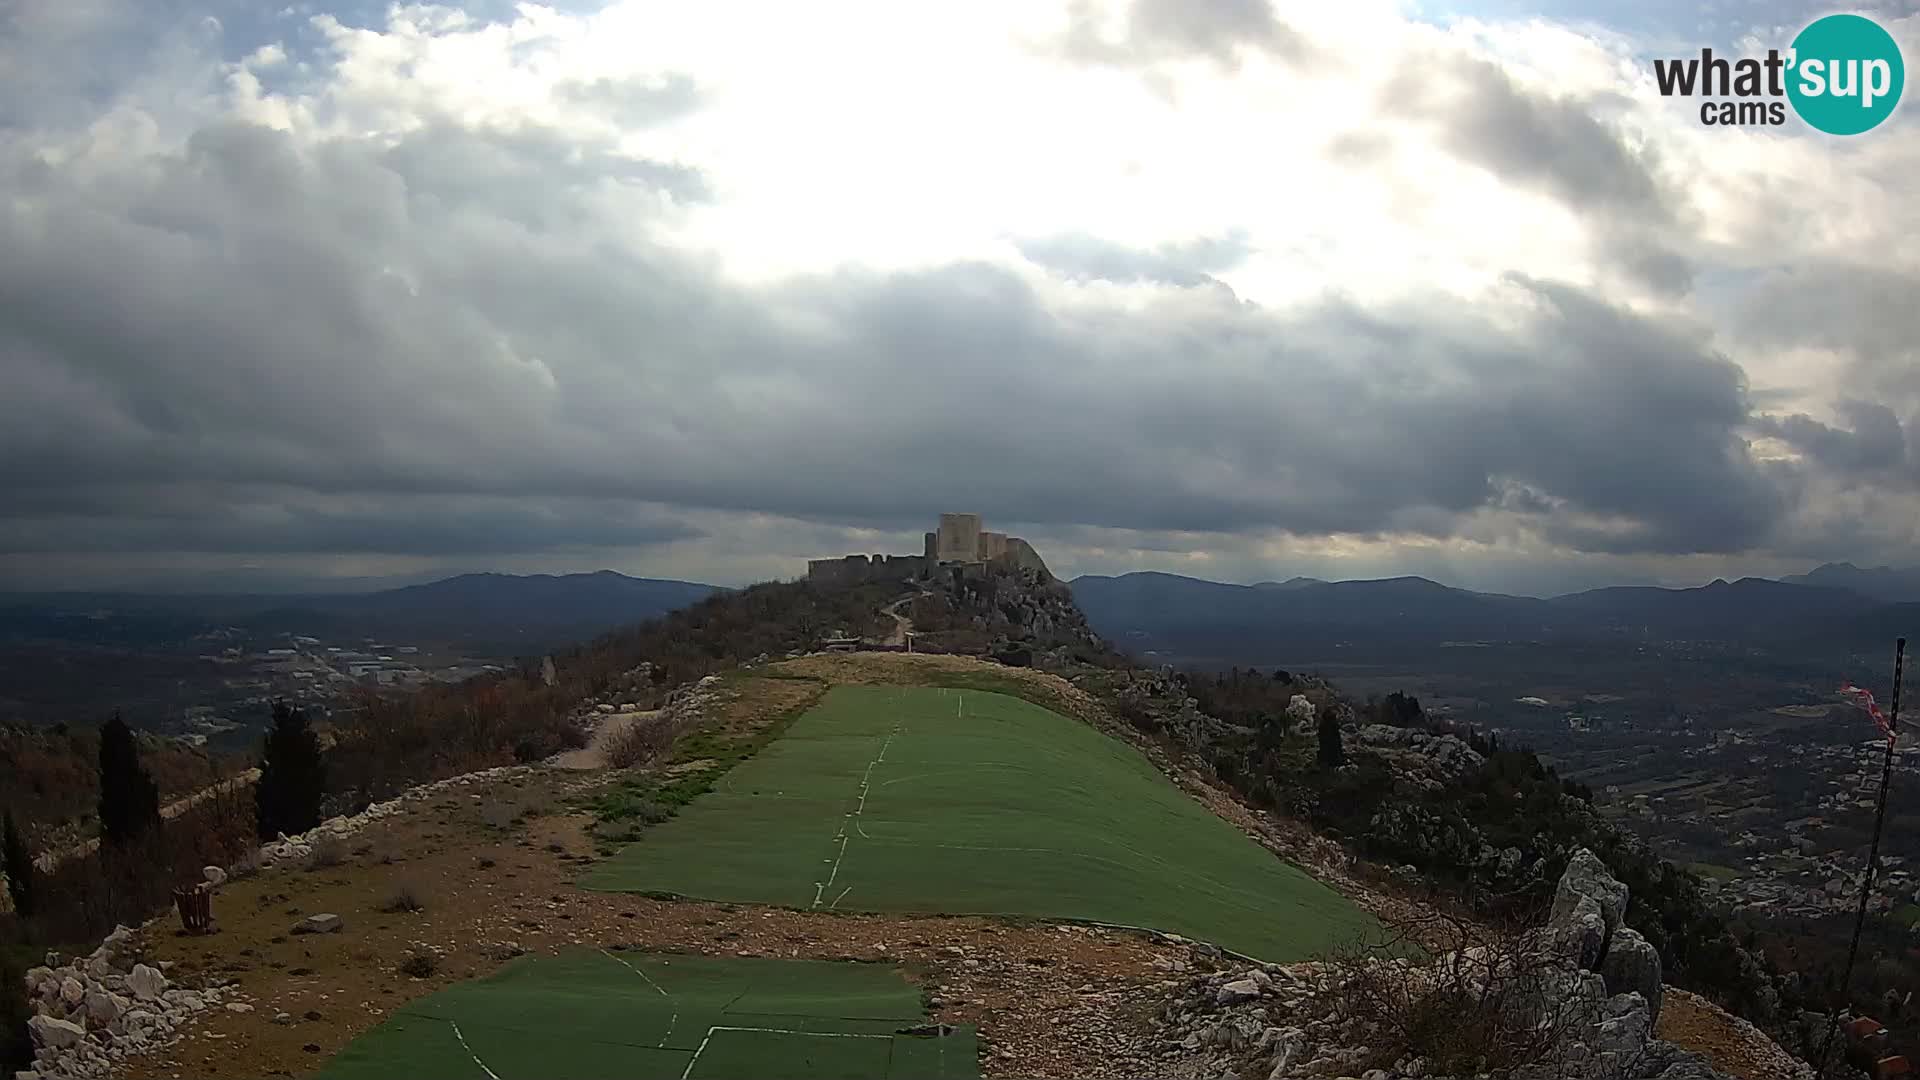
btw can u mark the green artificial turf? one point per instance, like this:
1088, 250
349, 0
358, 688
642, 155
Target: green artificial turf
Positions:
967, 802
587, 1015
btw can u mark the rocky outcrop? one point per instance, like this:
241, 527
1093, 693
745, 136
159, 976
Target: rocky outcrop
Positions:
1424, 759
90, 1013
1584, 985
1632, 965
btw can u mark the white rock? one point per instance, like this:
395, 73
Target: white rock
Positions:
55, 1034
215, 876
72, 991
105, 1008
146, 982
1237, 991
239, 1007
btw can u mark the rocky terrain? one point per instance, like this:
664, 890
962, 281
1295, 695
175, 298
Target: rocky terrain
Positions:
93, 1012
1576, 998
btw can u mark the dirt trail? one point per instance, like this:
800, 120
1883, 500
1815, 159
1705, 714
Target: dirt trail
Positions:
594, 754
902, 626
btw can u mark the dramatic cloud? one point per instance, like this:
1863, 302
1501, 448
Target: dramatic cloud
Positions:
379, 293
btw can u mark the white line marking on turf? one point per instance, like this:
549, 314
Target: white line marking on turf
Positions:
675, 1018
688, 1071
837, 899
866, 783
470, 1053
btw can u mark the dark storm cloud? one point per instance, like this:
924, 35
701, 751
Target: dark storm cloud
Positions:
269, 523
1864, 309
259, 345
1877, 442
1082, 257
1561, 147
1157, 30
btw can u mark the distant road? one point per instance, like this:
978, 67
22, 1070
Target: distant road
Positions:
902, 626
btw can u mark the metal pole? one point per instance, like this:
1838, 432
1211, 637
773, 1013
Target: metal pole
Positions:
1873, 853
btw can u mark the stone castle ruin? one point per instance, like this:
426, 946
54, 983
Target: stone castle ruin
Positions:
959, 544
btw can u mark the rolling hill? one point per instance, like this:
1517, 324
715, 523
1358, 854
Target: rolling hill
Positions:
1188, 617
492, 610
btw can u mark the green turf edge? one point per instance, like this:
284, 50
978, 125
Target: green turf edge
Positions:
620, 803
988, 682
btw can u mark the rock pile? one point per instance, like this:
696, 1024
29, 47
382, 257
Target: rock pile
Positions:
1581, 994
92, 1012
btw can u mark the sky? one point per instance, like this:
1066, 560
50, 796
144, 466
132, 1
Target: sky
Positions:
344, 294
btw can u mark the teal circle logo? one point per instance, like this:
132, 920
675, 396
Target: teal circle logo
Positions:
1846, 74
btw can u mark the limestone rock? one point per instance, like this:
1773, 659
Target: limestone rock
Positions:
214, 876
1587, 876
1237, 991
72, 991
1632, 965
146, 982
1582, 931
55, 1034
324, 923
105, 1008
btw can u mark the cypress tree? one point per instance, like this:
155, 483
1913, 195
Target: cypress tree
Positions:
18, 863
129, 799
293, 775
1332, 752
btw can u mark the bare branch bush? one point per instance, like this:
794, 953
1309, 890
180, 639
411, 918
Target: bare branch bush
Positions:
640, 742
1482, 1000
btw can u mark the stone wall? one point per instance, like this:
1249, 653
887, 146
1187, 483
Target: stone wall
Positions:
959, 541
859, 569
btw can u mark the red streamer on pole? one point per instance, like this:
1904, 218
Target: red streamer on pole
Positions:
1864, 699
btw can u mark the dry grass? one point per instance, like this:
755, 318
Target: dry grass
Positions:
328, 852
405, 900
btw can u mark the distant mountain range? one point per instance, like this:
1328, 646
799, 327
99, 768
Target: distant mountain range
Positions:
499, 612
1188, 616
1883, 583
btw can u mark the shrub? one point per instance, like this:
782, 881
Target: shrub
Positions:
420, 964
328, 852
639, 742
405, 900
1481, 1007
